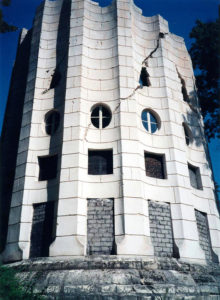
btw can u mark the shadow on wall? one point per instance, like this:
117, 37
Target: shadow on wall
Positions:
11, 132
195, 122
58, 83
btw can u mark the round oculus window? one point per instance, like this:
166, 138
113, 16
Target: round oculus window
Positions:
101, 116
149, 121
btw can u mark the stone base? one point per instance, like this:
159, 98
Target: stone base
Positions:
113, 277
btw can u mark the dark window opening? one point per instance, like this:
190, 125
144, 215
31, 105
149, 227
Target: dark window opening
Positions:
56, 77
48, 167
188, 135
144, 77
195, 178
52, 121
184, 92
183, 89
101, 116
42, 229
149, 121
154, 165
100, 162
161, 35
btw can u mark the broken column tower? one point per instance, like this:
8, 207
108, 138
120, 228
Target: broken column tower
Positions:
110, 157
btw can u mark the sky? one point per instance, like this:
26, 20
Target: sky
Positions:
181, 15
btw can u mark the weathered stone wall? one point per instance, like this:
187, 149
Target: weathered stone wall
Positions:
161, 228
100, 226
111, 277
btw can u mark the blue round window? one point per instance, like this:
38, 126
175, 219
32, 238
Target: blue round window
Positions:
149, 121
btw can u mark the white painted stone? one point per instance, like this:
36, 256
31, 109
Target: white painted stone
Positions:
134, 245
67, 246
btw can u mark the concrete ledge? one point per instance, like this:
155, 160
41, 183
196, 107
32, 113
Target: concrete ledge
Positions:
113, 277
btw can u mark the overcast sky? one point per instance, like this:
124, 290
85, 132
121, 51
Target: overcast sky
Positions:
181, 15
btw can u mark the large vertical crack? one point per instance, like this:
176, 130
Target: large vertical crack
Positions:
144, 79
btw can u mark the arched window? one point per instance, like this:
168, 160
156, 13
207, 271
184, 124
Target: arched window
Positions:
52, 121
101, 116
188, 133
150, 121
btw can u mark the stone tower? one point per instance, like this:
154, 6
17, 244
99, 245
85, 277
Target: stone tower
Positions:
110, 157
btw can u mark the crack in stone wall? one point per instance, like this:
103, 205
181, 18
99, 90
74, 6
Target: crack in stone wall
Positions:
144, 63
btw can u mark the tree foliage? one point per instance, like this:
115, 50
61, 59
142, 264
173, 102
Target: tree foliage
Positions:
4, 26
205, 54
12, 289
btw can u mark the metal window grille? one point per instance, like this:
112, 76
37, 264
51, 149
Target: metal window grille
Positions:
154, 165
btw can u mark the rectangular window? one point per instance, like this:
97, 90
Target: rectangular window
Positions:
48, 167
154, 165
195, 178
100, 162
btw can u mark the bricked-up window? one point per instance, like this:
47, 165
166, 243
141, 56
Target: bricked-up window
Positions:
149, 121
101, 116
52, 121
100, 227
42, 229
48, 167
154, 165
100, 162
161, 229
204, 236
194, 176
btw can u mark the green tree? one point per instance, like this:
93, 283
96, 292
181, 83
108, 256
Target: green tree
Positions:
11, 288
4, 26
205, 54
